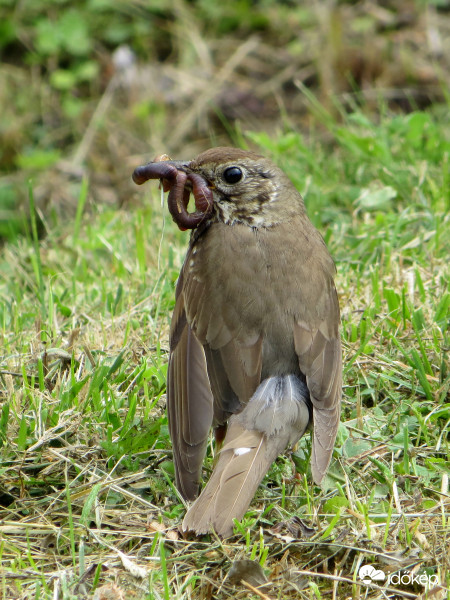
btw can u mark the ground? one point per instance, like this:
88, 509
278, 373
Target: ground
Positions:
351, 101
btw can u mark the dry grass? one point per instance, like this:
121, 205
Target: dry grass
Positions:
85, 507
87, 504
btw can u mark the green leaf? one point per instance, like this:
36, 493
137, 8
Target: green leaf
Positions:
87, 71
8, 31
74, 33
21, 439
38, 159
335, 504
48, 39
376, 199
355, 447
4, 423
417, 125
442, 315
88, 506
62, 79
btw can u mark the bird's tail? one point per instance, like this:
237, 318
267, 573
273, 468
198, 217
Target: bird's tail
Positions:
277, 414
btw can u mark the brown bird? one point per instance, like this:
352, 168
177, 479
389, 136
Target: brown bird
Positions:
254, 339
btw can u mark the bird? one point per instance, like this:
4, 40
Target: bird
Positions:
255, 351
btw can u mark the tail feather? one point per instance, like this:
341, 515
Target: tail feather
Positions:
254, 439
243, 462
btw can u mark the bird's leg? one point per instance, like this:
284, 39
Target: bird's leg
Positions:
219, 435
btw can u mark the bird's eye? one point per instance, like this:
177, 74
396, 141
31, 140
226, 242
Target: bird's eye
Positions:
232, 175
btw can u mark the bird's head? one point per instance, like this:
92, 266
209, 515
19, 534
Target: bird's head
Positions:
247, 188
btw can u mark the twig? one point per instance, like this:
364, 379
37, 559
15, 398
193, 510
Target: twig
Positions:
91, 130
207, 94
255, 590
98, 474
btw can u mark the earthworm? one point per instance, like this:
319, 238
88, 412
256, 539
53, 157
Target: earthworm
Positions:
174, 175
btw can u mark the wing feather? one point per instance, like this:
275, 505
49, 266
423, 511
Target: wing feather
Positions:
189, 402
318, 347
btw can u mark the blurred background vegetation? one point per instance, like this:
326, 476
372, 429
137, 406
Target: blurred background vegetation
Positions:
93, 88
351, 99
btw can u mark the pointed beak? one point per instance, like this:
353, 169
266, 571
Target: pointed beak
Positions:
181, 165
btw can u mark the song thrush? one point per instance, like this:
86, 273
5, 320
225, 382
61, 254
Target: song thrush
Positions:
254, 339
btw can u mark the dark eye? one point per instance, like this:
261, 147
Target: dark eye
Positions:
232, 175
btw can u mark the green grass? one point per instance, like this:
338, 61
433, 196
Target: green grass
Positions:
85, 460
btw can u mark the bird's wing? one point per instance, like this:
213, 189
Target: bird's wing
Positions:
233, 350
213, 370
318, 346
189, 401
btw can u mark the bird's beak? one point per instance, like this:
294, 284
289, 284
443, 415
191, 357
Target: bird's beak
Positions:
181, 165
